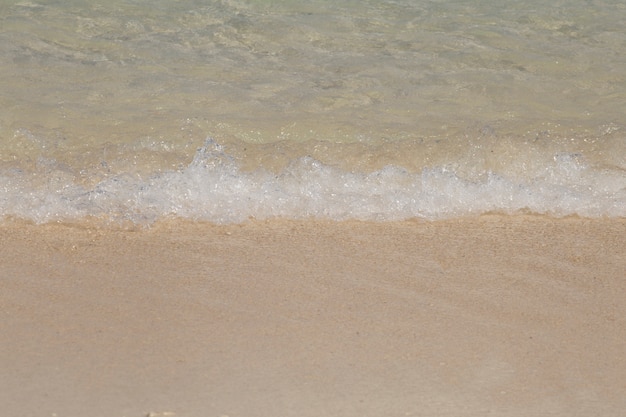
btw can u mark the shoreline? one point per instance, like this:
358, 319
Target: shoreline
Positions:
510, 315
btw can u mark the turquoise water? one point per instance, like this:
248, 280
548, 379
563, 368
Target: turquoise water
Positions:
374, 110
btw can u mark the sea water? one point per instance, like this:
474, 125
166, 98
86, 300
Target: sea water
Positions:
226, 110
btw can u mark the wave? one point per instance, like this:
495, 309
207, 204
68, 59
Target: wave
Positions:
214, 188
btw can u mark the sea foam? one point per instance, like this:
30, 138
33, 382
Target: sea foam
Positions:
214, 188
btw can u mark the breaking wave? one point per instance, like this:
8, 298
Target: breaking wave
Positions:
214, 188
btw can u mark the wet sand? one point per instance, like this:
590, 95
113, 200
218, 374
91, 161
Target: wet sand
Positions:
504, 316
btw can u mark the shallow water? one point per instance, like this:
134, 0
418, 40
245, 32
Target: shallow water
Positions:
376, 110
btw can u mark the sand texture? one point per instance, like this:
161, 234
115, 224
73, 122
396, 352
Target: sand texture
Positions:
501, 316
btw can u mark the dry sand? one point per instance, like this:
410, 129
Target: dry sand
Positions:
501, 316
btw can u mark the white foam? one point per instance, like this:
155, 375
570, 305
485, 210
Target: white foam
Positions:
215, 189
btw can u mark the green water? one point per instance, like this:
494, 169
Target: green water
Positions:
135, 87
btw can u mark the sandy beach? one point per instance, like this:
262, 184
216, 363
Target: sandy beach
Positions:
496, 315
